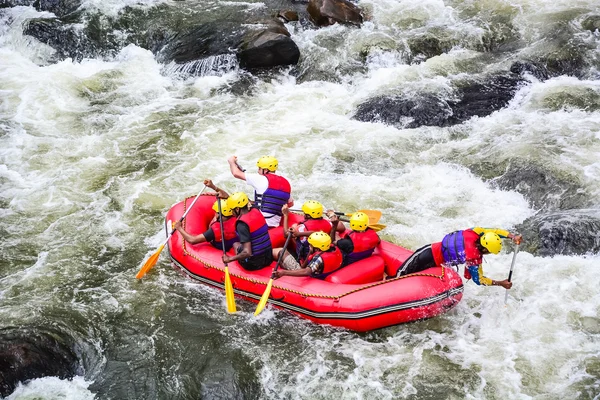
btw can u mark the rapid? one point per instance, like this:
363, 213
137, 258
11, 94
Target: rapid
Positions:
93, 152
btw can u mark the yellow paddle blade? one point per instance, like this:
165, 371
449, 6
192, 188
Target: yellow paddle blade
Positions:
150, 263
374, 215
263, 300
377, 227
229, 293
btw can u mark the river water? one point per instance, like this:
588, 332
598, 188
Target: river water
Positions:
93, 154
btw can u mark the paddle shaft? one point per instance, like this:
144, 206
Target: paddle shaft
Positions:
221, 223
335, 212
184, 215
512, 266
289, 235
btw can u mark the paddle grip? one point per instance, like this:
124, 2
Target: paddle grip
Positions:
289, 236
240, 167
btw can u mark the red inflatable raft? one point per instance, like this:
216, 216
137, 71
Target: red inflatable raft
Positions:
355, 297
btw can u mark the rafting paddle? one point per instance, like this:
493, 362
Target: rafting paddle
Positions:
512, 266
374, 215
263, 300
154, 257
229, 298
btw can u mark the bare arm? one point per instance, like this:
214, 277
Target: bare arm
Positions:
235, 168
187, 237
222, 194
285, 211
297, 272
245, 253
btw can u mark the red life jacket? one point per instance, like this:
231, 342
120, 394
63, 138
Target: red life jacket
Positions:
319, 224
364, 245
259, 231
230, 233
276, 195
332, 260
311, 225
459, 253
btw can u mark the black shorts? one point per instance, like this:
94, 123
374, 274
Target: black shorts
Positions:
420, 260
256, 262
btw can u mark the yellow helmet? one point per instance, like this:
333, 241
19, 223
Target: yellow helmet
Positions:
492, 242
237, 200
320, 240
267, 162
225, 209
313, 208
359, 221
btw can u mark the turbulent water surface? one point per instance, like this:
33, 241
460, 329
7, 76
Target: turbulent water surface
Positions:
94, 152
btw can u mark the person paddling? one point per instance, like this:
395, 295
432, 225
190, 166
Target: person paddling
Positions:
253, 251
323, 258
271, 191
461, 247
313, 222
213, 234
358, 243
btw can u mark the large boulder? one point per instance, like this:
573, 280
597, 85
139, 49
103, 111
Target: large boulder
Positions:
571, 232
329, 12
471, 98
268, 47
544, 188
60, 8
34, 353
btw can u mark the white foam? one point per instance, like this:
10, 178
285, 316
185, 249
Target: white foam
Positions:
53, 388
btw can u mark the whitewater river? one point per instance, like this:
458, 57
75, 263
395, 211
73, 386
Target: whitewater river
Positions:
94, 152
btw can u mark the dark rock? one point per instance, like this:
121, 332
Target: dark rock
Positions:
544, 189
66, 40
537, 70
288, 15
269, 47
15, 3
60, 8
429, 45
412, 112
328, 12
32, 353
566, 232
591, 23
197, 42
483, 98
472, 99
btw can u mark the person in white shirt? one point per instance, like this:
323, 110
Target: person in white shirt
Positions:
271, 191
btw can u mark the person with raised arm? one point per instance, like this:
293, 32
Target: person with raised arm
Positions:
271, 191
213, 234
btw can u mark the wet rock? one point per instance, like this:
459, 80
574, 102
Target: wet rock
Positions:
406, 112
545, 189
60, 8
591, 23
269, 47
430, 44
572, 232
288, 15
66, 40
483, 98
329, 12
196, 42
537, 70
32, 353
471, 99
15, 3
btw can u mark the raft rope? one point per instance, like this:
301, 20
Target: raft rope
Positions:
303, 294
